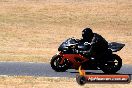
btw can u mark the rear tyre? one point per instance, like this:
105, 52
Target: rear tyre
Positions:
59, 67
112, 65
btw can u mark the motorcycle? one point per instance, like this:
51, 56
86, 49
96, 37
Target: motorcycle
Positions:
71, 56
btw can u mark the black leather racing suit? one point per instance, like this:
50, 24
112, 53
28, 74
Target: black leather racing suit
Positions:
98, 46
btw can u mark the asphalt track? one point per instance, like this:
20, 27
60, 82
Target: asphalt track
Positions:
44, 70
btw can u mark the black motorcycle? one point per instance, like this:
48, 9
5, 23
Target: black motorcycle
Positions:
71, 56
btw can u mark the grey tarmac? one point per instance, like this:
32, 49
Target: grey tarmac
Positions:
45, 70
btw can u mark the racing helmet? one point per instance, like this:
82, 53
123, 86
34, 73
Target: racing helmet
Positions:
87, 33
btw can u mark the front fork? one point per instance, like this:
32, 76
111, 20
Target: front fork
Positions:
61, 55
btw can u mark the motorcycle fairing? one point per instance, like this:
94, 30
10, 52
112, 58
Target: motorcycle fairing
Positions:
69, 42
114, 46
72, 59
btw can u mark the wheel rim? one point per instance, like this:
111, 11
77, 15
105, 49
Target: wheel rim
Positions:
112, 64
57, 61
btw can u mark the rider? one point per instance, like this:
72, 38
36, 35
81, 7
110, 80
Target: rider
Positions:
98, 45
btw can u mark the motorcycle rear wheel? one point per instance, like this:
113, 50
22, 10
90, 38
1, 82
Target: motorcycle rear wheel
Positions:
113, 65
58, 67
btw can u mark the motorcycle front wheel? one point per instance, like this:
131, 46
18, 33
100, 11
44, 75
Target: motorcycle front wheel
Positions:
113, 65
59, 67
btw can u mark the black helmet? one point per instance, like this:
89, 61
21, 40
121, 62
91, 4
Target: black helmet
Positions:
87, 34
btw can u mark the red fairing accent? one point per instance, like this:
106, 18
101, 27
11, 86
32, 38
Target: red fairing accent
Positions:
71, 58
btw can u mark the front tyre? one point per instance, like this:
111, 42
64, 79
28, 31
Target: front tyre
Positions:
112, 65
58, 67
